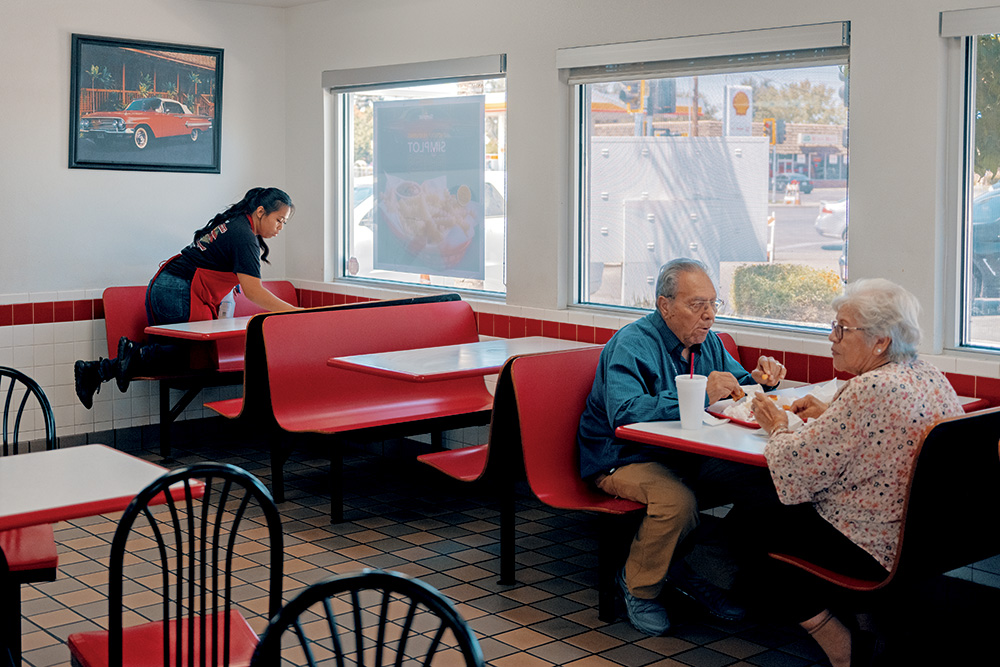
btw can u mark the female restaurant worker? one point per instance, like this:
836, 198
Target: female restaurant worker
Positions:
190, 285
842, 476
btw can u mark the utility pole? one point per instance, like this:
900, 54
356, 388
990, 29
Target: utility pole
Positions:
693, 111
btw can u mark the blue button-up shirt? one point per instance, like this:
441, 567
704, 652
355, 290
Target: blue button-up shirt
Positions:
635, 383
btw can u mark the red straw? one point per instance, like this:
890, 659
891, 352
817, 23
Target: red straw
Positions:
692, 364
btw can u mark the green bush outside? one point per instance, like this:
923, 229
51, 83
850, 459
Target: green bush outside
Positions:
789, 292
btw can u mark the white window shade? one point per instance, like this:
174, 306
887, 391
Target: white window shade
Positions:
676, 56
438, 71
968, 22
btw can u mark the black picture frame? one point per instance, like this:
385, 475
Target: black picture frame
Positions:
146, 106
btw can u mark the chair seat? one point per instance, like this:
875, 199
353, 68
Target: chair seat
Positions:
843, 580
143, 645
230, 407
592, 501
466, 464
30, 548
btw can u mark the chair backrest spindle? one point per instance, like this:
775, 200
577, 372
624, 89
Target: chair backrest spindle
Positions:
430, 625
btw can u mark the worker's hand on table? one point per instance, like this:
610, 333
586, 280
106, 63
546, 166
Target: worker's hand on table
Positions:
769, 371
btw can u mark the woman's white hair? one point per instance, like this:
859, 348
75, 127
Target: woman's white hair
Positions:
885, 309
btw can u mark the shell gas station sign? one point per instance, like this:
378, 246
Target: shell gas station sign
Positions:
739, 111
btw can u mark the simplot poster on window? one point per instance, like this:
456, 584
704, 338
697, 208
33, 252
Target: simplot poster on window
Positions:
429, 161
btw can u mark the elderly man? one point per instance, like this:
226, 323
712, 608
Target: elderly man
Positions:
635, 383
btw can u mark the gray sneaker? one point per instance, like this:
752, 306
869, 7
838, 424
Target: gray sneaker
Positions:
647, 616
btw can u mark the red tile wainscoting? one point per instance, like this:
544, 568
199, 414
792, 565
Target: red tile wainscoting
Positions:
46, 312
801, 367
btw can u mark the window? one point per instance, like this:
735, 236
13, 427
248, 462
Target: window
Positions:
738, 159
976, 34
421, 154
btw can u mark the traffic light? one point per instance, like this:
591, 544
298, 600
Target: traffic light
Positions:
631, 95
779, 131
769, 130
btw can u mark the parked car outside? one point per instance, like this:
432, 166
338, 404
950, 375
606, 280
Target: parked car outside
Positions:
781, 181
986, 245
360, 262
985, 242
832, 219
144, 120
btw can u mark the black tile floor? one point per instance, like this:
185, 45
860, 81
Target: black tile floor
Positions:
403, 516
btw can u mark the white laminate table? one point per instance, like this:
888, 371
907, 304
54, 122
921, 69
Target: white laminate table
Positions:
727, 441
68, 483
449, 362
204, 330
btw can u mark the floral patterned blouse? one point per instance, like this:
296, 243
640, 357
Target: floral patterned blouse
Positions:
853, 461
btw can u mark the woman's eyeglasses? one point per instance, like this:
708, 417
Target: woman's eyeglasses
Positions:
838, 330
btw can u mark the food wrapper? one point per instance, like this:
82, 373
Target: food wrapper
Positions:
742, 410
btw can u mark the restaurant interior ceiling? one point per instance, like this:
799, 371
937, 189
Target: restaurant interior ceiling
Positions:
269, 3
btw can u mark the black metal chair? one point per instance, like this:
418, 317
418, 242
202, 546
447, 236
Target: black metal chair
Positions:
193, 543
27, 555
372, 617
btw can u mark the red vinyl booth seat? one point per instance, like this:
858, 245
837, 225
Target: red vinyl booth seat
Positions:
309, 395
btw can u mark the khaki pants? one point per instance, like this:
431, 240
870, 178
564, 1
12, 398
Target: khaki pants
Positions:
671, 513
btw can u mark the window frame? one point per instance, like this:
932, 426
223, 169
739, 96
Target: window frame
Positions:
959, 29
750, 50
339, 132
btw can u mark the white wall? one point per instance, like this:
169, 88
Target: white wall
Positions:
69, 233
78, 229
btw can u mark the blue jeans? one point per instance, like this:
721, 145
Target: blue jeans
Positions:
168, 299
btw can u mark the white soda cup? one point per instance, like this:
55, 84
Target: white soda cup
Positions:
691, 399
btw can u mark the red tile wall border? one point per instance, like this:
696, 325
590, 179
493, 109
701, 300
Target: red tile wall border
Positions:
801, 367
47, 312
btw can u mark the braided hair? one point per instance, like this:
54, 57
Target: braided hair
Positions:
270, 198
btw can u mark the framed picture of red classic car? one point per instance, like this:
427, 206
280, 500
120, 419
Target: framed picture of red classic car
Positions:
146, 106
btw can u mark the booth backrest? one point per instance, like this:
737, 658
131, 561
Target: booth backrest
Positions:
305, 389
551, 392
124, 315
282, 289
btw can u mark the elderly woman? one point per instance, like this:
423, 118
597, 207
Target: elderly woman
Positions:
842, 476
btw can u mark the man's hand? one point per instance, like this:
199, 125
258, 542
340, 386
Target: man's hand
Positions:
808, 407
720, 385
768, 414
769, 371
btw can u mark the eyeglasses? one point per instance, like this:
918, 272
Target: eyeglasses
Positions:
701, 304
839, 329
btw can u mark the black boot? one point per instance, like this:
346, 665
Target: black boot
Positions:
128, 363
88, 377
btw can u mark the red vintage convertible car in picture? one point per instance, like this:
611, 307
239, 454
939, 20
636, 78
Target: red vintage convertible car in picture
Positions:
144, 120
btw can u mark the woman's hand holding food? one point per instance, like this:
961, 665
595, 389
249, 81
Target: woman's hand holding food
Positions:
768, 414
769, 371
808, 407
720, 385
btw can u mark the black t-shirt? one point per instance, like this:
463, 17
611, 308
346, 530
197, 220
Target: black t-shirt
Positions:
229, 246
